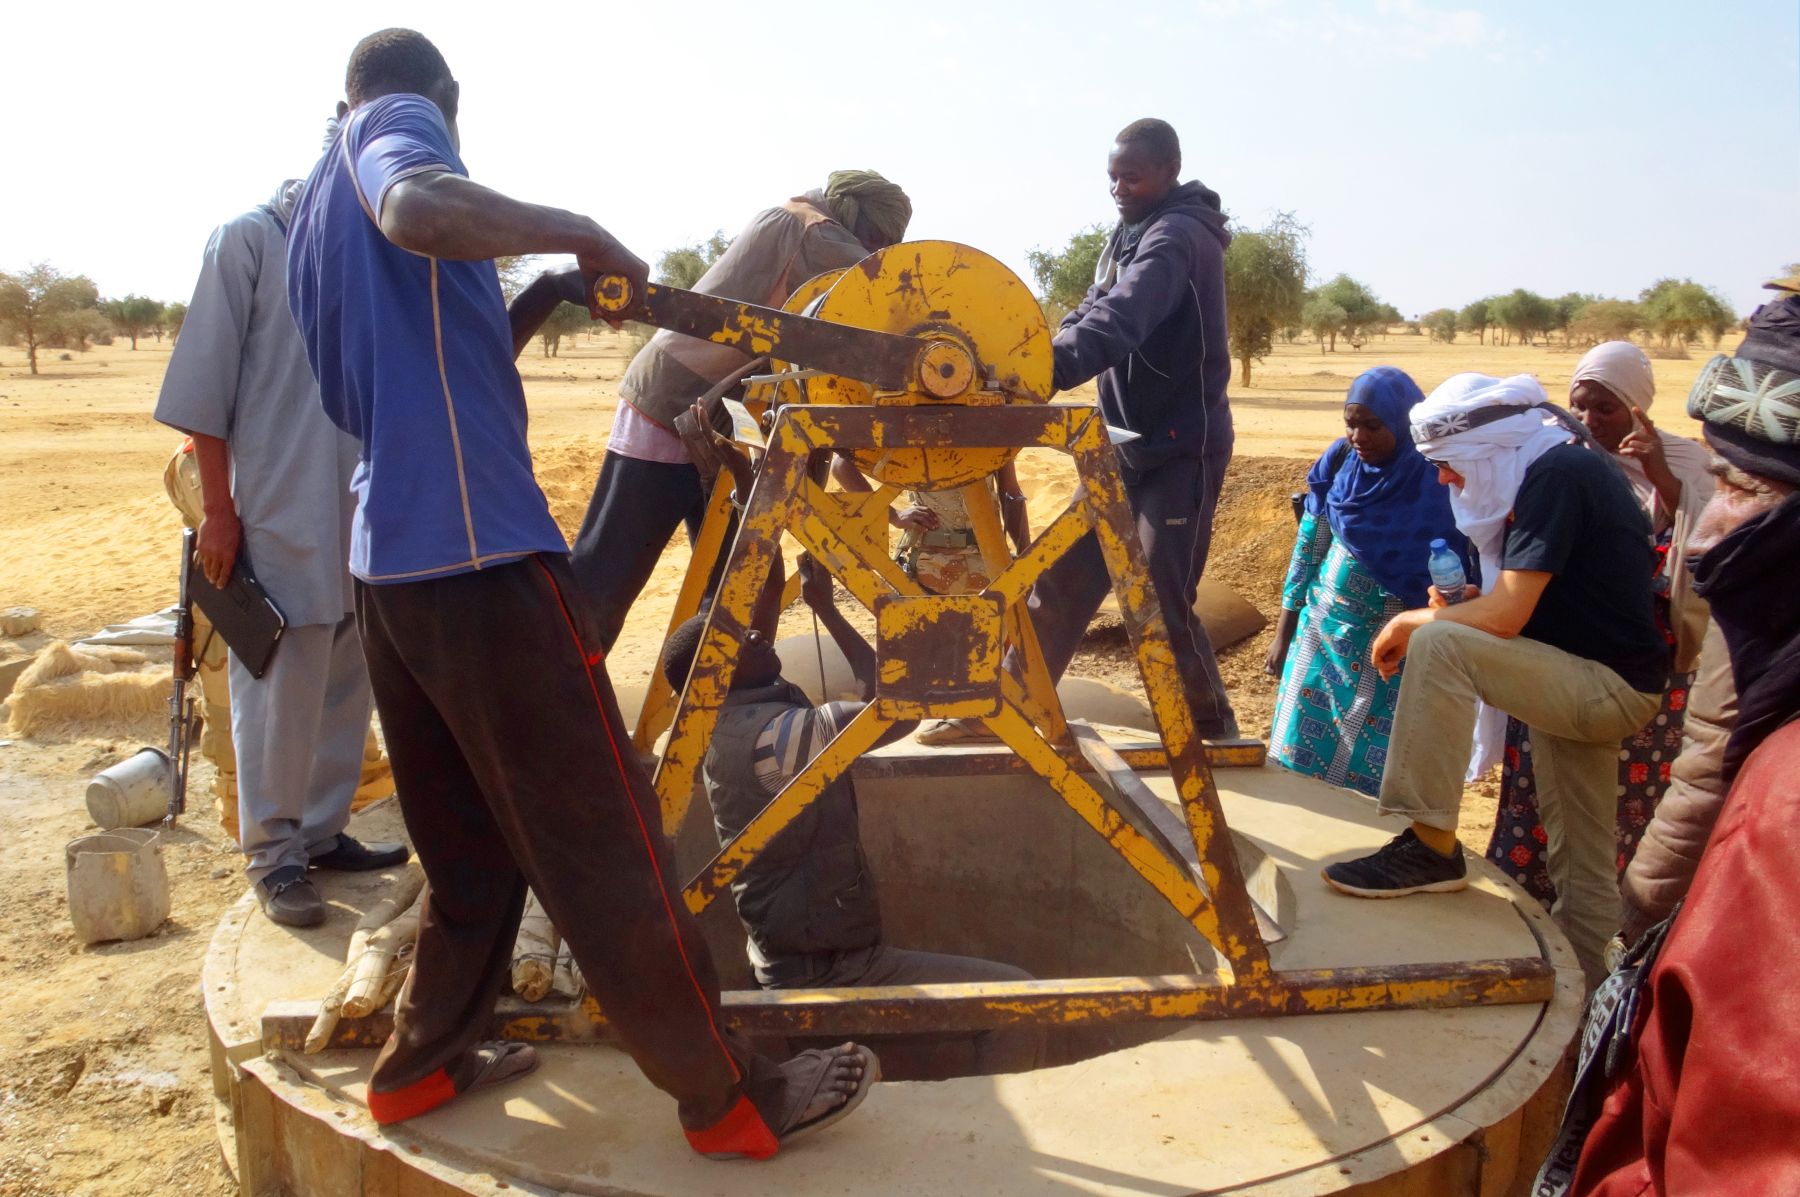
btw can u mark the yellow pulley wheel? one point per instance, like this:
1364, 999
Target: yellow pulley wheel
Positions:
761, 396
997, 348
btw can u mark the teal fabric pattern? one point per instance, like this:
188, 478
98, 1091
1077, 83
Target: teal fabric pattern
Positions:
1334, 713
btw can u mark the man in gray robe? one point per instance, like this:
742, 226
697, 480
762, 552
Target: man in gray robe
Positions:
275, 475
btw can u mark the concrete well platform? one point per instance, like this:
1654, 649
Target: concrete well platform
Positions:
972, 858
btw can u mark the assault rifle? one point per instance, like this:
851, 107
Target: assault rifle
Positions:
183, 718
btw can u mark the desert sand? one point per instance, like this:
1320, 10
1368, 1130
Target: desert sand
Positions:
103, 1072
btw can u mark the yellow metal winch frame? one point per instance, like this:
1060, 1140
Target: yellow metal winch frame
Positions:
942, 656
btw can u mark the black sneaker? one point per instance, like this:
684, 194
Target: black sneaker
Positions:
288, 898
1404, 865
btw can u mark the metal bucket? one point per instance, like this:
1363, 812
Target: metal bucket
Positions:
131, 793
118, 888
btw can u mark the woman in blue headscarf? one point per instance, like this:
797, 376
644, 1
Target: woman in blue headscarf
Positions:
1373, 507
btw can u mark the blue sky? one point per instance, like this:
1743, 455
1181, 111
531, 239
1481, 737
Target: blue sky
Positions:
1439, 151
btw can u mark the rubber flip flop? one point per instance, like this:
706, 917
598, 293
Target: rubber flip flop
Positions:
871, 1074
496, 1061
742, 1133
501, 1061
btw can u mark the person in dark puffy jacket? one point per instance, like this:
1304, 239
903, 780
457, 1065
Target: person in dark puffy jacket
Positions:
1152, 330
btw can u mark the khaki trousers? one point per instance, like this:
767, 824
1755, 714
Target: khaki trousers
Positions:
1578, 711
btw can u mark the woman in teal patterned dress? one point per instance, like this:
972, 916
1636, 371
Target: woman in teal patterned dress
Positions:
1373, 507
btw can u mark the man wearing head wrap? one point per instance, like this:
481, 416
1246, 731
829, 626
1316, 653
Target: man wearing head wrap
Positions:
648, 483
1708, 1104
1611, 393
1152, 331
1562, 638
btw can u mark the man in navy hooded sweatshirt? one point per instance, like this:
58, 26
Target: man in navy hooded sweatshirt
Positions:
1152, 328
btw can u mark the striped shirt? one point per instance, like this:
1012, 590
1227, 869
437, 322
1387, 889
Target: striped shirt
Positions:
791, 739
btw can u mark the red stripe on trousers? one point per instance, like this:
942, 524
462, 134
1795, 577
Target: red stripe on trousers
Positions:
662, 887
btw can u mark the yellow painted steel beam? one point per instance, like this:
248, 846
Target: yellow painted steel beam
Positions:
1016, 581
767, 513
1168, 878
1037, 697
840, 542
1000, 1005
801, 791
659, 698
1103, 490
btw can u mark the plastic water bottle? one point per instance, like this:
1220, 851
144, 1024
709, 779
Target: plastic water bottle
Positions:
1446, 571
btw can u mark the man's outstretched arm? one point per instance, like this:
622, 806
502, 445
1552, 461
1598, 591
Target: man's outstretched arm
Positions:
1112, 325
532, 306
440, 214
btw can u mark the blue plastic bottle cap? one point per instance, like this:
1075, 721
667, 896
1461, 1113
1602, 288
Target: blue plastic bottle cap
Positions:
1439, 543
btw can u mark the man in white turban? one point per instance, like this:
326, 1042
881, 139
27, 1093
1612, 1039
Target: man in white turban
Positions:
1560, 635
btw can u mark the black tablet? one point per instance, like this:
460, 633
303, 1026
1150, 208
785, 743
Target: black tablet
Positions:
243, 613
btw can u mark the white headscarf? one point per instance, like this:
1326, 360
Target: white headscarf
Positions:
1491, 450
1623, 369
1492, 456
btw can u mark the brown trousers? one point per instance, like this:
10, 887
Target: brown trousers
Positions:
515, 769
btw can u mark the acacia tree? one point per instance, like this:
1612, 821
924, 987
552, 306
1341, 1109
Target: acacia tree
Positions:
1522, 313
1387, 315
1566, 310
1679, 310
1477, 318
133, 316
1357, 312
565, 321
1265, 286
1606, 320
1363, 313
514, 271
34, 303
1063, 278
683, 265
1440, 323
1322, 318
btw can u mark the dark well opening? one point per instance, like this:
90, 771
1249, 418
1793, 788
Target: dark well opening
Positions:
991, 866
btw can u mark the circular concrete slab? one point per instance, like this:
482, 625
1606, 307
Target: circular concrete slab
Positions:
1417, 1101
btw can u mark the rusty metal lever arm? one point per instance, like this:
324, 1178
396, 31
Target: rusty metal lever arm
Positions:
886, 361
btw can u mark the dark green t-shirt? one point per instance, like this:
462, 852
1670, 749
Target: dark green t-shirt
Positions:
1576, 520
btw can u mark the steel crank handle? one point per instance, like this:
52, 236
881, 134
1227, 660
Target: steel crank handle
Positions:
615, 296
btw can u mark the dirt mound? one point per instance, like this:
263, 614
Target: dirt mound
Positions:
1253, 533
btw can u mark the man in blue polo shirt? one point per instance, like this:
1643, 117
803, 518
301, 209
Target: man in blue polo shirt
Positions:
507, 744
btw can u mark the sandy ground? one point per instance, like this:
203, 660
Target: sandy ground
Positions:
103, 1082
